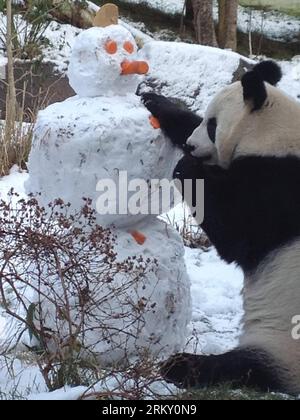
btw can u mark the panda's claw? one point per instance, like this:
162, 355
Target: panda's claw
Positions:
150, 102
183, 370
156, 104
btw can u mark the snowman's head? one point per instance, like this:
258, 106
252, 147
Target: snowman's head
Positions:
104, 62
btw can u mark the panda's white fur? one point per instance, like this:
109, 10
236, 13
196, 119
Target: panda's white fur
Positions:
271, 298
273, 130
272, 292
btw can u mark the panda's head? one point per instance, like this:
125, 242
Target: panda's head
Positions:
251, 117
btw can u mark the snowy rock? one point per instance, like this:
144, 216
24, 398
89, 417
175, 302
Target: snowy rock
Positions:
193, 73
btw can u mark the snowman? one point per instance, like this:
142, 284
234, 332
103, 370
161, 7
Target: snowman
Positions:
102, 136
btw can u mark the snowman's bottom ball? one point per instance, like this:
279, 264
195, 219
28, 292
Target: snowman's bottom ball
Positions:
142, 311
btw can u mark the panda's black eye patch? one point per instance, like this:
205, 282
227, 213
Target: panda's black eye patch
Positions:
212, 129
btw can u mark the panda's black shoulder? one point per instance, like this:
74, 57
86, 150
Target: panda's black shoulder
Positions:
252, 208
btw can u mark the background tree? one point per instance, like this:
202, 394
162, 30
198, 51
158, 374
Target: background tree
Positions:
227, 31
203, 21
11, 90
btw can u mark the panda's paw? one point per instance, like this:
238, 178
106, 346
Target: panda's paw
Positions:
156, 104
182, 370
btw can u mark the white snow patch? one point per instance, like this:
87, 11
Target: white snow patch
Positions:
193, 73
272, 24
167, 6
290, 82
217, 302
64, 394
15, 180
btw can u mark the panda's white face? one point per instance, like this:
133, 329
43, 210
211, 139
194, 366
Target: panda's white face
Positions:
232, 129
218, 126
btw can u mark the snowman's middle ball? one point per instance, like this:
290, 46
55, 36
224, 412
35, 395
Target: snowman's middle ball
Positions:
83, 145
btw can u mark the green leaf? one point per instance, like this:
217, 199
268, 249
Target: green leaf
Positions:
30, 322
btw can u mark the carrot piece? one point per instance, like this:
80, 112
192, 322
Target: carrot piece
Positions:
134, 67
139, 237
111, 47
129, 47
154, 122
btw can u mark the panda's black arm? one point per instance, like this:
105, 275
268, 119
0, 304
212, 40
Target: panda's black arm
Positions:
178, 124
250, 209
251, 367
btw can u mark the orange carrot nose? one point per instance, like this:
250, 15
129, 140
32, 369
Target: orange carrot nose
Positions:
134, 67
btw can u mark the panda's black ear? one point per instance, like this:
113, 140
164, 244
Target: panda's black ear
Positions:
254, 90
268, 71
253, 82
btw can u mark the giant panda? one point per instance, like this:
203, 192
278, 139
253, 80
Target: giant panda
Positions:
247, 150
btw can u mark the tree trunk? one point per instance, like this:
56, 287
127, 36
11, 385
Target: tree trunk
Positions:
11, 90
189, 14
204, 22
227, 33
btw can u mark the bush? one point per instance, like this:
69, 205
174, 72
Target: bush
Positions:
15, 149
29, 26
61, 282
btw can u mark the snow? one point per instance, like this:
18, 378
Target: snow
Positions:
171, 7
291, 76
15, 180
109, 385
217, 304
272, 24
3, 63
65, 394
61, 39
